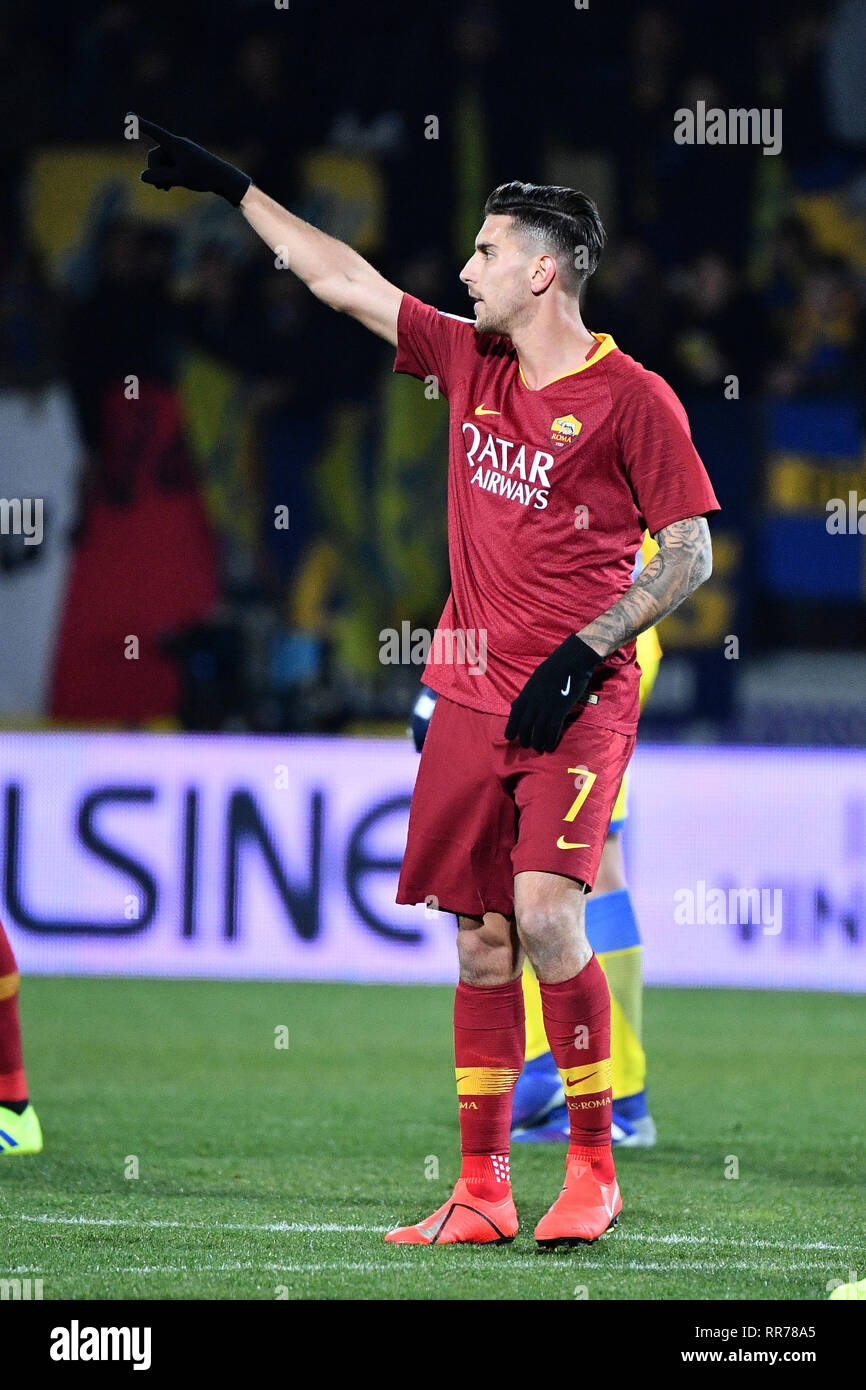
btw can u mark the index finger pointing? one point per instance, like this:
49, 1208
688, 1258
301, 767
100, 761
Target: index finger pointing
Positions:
154, 131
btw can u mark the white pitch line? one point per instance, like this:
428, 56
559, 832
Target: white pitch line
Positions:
231, 1268
681, 1239
290, 1227
565, 1262
338, 1228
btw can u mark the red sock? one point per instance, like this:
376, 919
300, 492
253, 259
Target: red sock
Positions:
577, 1022
489, 1043
12, 1083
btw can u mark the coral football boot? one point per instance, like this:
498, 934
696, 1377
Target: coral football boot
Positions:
583, 1211
463, 1219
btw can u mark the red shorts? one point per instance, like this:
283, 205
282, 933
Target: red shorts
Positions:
484, 810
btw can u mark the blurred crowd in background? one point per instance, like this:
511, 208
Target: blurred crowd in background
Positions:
265, 496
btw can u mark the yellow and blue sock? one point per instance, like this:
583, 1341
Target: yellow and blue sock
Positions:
614, 935
612, 930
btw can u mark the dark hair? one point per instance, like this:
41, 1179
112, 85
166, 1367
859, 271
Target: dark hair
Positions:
567, 220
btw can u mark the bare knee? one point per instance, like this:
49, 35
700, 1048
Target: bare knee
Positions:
550, 923
488, 950
540, 928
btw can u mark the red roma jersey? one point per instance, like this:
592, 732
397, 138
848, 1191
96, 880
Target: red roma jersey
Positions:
549, 494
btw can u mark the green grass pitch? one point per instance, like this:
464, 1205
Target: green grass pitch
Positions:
268, 1172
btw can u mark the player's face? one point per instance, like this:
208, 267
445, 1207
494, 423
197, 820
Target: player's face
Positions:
497, 276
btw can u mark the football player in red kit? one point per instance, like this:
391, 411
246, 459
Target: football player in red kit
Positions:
563, 450
20, 1132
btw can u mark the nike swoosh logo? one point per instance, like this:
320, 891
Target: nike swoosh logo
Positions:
562, 843
482, 410
431, 1231
565, 689
569, 1082
609, 1209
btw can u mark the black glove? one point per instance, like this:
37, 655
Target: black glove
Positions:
552, 691
179, 163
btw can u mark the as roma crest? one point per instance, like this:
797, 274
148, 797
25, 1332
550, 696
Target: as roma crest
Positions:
564, 430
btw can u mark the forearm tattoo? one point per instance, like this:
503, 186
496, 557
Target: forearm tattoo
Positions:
683, 562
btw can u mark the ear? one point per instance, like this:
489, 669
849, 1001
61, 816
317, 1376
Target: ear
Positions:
543, 274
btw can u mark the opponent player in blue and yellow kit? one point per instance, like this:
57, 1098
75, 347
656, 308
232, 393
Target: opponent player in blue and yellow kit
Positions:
563, 451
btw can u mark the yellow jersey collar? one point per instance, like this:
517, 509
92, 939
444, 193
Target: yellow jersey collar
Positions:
607, 345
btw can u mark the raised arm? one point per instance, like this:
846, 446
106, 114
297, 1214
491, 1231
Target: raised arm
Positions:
332, 270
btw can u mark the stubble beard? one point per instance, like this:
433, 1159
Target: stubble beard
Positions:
501, 324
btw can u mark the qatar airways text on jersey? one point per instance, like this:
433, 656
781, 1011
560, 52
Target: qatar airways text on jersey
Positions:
497, 469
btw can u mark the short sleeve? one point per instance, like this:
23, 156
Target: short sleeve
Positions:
667, 476
430, 343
